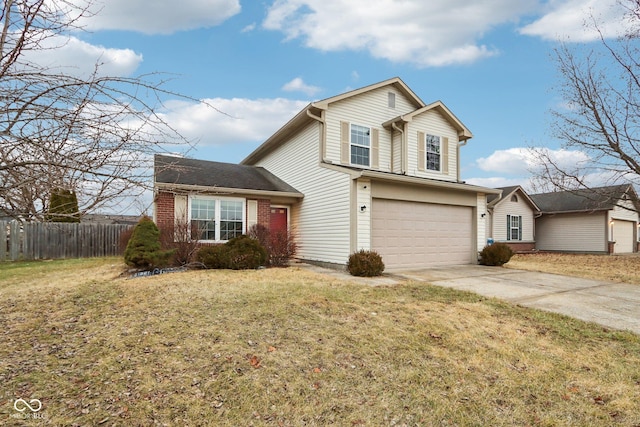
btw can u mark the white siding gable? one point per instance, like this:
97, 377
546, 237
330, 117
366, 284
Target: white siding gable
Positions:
369, 109
433, 123
508, 207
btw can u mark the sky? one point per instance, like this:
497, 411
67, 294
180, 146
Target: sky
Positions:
260, 62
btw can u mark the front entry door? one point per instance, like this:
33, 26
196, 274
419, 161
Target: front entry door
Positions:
278, 219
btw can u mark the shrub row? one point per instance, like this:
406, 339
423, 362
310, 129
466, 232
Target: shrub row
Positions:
239, 253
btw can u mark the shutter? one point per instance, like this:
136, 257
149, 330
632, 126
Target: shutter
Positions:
445, 155
422, 154
375, 149
508, 227
520, 228
345, 150
252, 213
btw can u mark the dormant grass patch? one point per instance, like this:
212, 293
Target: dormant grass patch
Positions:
616, 268
289, 347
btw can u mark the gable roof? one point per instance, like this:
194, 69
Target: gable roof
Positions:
463, 132
494, 199
182, 172
584, 200
314, 110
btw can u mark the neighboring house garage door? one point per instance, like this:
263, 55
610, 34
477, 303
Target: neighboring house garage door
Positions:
623, 236
414, 235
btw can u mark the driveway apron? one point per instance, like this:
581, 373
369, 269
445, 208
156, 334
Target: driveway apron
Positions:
614, 305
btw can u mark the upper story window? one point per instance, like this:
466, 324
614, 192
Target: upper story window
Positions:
433, 152
514, 198
216, 219
360, 145
391, 100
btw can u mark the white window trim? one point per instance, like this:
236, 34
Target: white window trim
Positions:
351, 143
510, 228
217, 214
426, 153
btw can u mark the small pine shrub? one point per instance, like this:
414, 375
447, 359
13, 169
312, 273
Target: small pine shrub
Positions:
496, 254
143, 249
365, 263
240, 253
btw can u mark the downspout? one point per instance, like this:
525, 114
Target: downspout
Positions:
401, 131
461, 144
323, 139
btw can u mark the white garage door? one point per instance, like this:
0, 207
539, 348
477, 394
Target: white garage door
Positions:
414, 235
623, 236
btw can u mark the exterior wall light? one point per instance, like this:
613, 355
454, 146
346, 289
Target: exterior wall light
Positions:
363, 208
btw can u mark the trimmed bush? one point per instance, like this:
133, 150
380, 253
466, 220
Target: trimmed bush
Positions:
143, 250
213, 256
240, 253
496, 254
365, 263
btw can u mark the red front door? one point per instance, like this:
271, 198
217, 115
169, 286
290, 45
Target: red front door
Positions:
278, 220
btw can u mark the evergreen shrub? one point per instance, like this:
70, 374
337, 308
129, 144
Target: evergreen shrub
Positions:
365, 263
496, 254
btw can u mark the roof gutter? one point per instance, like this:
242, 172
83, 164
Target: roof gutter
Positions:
225, 190
425, 181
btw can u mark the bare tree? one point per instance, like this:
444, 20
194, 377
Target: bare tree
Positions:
93, 134
600, 87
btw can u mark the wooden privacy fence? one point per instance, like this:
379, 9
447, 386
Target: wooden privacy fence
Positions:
48, 240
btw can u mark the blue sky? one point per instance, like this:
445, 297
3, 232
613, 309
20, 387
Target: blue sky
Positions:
260, 62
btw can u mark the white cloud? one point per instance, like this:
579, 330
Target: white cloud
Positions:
573, 20
244, 120
495, 182
519, 160
298, 85
433, 33
76, 57
159, 16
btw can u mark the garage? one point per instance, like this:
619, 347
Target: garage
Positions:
623, 235
414, 235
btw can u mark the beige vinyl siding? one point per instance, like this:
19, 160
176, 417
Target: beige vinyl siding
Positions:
368, 109
572, 232
321, 220
396, 154
433, 123
481, 226
626, 213
363, 221
507, 207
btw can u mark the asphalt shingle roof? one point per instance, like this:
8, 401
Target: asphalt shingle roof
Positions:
601, 198
183, 171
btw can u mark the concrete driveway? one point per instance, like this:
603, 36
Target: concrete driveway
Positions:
614, 305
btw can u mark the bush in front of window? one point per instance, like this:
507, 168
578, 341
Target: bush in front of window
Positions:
496, 254
143, 249
365, 263
213, 256
239, 253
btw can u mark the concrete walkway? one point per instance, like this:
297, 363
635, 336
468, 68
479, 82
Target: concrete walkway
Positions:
614, 305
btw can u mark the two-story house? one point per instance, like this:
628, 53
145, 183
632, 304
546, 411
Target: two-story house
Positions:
374, 168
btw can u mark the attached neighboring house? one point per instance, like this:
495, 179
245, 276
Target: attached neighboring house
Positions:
511, 218
598, 220
375, 168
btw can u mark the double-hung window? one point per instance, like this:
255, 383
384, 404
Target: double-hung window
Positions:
433, 152
360, 145
514, 227
216, 219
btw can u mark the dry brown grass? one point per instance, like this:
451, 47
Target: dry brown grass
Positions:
288, 347
615, 268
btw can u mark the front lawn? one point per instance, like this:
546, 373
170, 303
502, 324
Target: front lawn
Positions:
615, 268
289, 347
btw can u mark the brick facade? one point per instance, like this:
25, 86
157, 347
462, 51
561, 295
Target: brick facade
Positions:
164, 210
521, 247
264, 212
